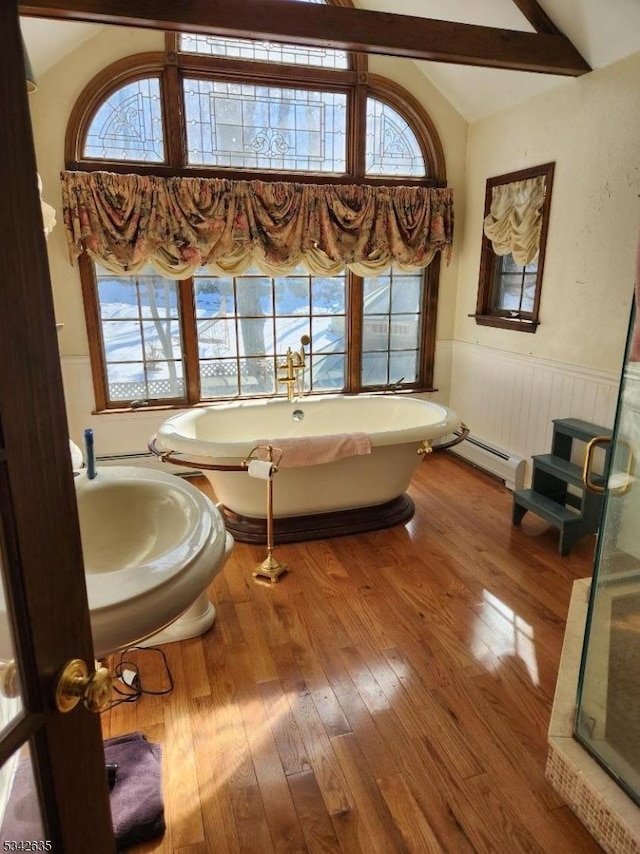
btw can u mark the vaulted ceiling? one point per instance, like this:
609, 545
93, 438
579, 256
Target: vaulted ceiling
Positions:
603, 31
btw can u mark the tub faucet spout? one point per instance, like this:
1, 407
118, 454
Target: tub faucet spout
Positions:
294, 366
289, 378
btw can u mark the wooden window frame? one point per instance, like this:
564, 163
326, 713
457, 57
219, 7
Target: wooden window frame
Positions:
486, 314
171, 66
188, 327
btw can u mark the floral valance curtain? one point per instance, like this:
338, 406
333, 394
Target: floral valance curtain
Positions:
180, 224
514, 222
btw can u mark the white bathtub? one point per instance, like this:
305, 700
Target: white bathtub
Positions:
225, 434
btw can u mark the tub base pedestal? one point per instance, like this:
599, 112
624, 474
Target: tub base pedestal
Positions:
320, 526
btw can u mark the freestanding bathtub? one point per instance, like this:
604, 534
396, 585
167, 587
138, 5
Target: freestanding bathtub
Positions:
357, 493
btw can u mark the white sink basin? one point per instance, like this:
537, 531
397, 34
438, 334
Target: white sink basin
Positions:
131, 522
152, 543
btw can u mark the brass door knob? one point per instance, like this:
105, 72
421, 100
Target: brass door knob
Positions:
9, 679
75, 684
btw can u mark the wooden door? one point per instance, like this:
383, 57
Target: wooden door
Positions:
43, 577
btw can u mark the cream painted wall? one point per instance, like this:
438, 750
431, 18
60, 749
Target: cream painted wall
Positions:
506, 385
51, 107
590, 127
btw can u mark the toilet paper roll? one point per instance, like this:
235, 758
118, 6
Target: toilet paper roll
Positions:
260, 469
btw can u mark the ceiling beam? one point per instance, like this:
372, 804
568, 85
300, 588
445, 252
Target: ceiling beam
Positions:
331, 26
537, 17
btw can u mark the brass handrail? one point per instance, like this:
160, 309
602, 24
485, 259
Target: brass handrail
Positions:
464, 432
168, 457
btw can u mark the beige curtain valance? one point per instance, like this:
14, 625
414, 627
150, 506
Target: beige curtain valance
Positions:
180, 224
514, 222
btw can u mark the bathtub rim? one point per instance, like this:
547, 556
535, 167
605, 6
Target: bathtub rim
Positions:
170, 439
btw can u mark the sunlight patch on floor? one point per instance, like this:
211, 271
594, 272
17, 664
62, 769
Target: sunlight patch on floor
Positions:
499, 632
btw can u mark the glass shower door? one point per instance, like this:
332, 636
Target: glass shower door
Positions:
608, 716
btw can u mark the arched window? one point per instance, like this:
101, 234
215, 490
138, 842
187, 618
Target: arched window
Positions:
239, 109
392, 146
128, 124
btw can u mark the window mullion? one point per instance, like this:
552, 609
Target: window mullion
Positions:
523, 279
355, 288
175, 133
429, 322
357, 129
188, 324
94, 329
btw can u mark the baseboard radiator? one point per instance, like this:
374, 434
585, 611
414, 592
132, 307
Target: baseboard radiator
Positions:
146, 460
508, 467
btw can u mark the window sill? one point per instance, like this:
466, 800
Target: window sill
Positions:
168, 407
519, 324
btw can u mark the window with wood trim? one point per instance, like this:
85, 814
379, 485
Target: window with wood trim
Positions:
249, 110
513, 248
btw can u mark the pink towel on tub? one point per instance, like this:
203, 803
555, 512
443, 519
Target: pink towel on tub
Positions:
314, 450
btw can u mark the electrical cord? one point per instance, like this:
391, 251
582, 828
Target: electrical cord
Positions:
133, 682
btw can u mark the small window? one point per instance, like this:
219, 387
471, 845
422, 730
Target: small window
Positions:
514, 286
513, 247
128, 125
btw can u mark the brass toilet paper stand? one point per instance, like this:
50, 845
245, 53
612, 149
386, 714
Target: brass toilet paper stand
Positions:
270, 568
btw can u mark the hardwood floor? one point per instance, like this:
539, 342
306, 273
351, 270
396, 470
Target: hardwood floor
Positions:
391, 694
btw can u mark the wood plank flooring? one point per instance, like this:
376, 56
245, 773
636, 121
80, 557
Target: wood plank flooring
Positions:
391, 694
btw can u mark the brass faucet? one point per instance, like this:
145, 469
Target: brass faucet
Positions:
294, 365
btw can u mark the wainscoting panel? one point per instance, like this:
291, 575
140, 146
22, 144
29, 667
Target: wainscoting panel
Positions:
509, 401
115, 433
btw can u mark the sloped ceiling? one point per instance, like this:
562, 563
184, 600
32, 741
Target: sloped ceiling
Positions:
604, 31
49, 42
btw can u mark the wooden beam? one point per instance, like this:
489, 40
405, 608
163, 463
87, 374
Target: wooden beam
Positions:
537, 17
332, 26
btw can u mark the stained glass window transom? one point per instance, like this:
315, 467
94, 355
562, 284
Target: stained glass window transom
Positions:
265, 127
128, 125
392, 146
264, 51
